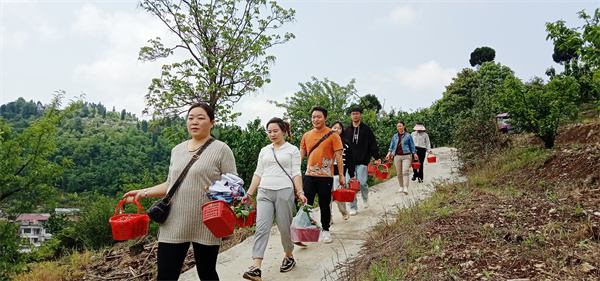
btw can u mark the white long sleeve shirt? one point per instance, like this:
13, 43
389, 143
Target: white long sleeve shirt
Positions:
271, 175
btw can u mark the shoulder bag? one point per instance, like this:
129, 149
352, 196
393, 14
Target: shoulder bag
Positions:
160, 209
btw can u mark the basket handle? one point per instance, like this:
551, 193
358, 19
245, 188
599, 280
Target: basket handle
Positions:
120, 207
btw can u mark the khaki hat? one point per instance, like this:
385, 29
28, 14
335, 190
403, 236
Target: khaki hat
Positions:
419, 127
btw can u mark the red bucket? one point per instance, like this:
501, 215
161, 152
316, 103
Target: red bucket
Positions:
247, 221
309, 234
416, 164
354, 185
219, 218
129, 226
371, 169
343, 195
431, 158
381, 174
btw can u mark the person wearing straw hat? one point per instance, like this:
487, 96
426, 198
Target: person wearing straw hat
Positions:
422, 144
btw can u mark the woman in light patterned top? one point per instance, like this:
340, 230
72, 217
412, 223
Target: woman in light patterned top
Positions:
422, 144
184, 224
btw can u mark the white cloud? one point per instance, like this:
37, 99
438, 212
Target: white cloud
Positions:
15, 39
115, 74
48, 32
425, 77
403, 15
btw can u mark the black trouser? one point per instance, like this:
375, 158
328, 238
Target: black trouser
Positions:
321, 186
170, 259
418, 173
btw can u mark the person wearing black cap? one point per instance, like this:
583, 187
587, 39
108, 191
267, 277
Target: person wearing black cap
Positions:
364, 145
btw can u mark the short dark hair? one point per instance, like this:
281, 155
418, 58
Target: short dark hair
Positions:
401, 122
356, 109
209, 111
319, 108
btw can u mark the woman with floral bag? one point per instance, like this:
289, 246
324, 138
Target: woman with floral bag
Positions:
277, 178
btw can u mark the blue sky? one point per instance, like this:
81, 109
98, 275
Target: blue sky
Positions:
404, 52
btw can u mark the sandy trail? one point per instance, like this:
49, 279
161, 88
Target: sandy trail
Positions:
318, 260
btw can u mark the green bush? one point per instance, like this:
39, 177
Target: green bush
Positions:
11, 260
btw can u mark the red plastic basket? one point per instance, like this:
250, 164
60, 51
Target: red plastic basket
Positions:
309, 234
381, 174
416, 164
371, 169
129, 226
247, 221
387, 165
219, 218
343, 195
354, 185
431, 158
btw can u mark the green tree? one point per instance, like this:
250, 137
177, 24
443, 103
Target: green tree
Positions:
328, 94
540, 109
579, 52
369, 101
26, 175
11, 260
481, 55
227, 41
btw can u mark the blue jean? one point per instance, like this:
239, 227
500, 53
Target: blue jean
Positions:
361, 175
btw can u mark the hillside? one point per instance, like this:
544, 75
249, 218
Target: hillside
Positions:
530, 214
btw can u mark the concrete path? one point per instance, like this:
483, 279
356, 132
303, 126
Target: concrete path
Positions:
318, 260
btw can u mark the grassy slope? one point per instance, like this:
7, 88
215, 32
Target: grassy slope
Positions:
526, 213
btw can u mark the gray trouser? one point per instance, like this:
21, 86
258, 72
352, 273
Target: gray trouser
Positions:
278, 204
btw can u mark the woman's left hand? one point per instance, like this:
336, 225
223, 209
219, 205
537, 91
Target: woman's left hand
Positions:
302, 198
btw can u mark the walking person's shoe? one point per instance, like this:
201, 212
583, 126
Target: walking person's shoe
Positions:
352, 212
414, 178
327, 236
401, 189
420, 180
253, 273
345, 216
300, 244
405, 190
287, 264
366, 203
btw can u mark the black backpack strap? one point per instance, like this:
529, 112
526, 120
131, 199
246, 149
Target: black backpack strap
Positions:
320, 141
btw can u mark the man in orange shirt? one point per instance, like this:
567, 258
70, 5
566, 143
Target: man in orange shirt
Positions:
322, 145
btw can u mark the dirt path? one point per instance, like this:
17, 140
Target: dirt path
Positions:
318, 260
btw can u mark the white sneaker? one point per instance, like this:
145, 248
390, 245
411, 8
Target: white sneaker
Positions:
401, 189
326, 236
405, 190
352, 212
366, 203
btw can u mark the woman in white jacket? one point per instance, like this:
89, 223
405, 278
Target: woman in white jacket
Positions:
422, 144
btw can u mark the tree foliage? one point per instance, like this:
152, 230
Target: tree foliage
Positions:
26, 175
578, 49
227, 43
481, 55
326, 93
540, 109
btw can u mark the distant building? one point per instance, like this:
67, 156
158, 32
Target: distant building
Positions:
32, 228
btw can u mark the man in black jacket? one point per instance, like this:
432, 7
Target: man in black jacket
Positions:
364, 145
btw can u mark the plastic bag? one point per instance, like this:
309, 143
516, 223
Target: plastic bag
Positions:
305, 218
